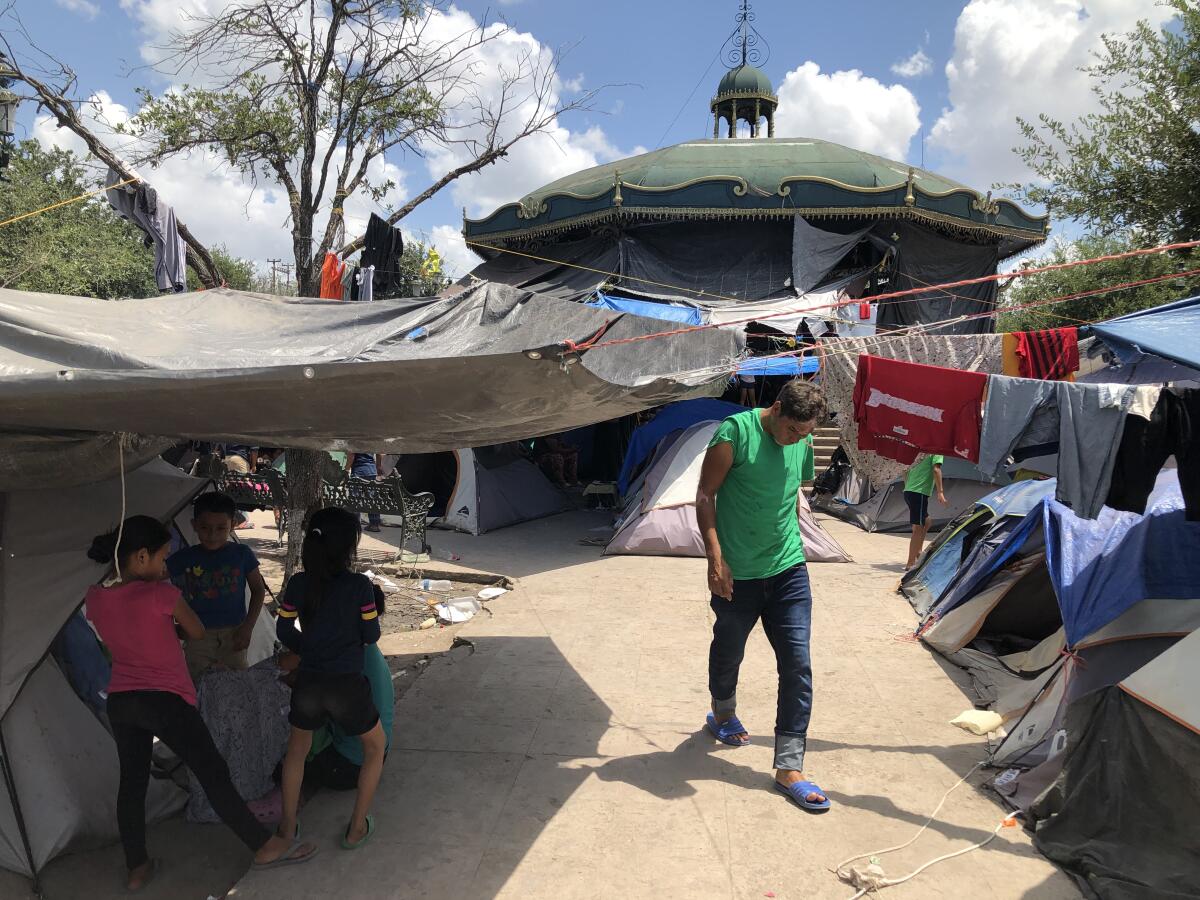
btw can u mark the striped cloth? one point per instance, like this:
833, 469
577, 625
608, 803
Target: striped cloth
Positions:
1050, 355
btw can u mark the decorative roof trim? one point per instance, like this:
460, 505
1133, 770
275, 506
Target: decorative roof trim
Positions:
744, 95
945, 220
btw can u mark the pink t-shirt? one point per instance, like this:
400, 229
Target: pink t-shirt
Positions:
135, 622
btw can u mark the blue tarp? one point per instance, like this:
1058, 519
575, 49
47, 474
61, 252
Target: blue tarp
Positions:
1102, 567
1168, 331
778, 365
674, 417
648, 309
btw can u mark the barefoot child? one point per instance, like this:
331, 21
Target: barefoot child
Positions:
213, 576
337, 615
150, 694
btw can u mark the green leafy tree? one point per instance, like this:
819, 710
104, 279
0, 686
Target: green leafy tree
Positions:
1134, 166
315, 96
238, 273
1062, 282
81, 248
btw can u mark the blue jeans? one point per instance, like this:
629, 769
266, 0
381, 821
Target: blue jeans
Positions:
784, 603
369, 472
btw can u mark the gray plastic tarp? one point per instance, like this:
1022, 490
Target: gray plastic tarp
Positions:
391, 376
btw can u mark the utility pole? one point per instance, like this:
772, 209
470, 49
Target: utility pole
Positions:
287, 275
274, 263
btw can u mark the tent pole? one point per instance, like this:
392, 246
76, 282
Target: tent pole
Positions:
11, 785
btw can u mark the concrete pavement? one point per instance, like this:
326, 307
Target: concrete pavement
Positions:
564, 757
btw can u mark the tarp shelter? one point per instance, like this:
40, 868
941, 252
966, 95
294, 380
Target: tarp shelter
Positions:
1123, 814
488, 487
885, 510
669, 312
397, 376
778, 365
60, 764
659, 518
1168, 332
673, 417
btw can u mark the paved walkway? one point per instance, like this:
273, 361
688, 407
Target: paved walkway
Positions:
564, 757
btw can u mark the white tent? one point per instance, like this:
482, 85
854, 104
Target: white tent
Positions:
482, 489
58, 761
659, 517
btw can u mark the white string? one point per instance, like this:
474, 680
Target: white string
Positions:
120, 527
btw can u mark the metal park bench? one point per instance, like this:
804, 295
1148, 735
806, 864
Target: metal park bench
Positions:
388, 497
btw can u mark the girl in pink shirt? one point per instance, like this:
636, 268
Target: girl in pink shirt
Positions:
150, 694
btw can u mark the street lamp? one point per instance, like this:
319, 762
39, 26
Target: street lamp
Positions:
8, 114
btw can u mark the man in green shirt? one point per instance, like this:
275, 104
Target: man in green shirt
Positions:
746, 506
925, 474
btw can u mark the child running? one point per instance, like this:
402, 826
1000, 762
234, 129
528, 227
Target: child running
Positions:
337, 614
213, 576
150, 694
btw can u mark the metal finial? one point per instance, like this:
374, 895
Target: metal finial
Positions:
745, 46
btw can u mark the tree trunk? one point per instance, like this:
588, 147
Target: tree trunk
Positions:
304, 496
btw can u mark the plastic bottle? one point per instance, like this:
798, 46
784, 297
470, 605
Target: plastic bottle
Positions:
435, 585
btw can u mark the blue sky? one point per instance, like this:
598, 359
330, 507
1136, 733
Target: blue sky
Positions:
875, 75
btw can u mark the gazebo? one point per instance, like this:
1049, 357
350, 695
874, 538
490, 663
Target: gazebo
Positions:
714, 223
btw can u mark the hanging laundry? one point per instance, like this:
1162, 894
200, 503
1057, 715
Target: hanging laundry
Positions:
140, 204
365, 283
1052, 354
1173, 429
1010, 362
1084, 422
383, 248
348, 281
331, 277
905, 408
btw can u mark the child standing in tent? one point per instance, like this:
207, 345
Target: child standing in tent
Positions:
920, 482
213, 576
338, 617
150, 695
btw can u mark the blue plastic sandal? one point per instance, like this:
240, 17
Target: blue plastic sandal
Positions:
726, 732
798, 793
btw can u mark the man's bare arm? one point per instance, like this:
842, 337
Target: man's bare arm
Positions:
717, 463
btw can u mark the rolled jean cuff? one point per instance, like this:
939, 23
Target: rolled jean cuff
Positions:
789, 752
726, 707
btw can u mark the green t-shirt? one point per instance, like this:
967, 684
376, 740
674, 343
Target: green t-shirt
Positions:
919, 479
756, 506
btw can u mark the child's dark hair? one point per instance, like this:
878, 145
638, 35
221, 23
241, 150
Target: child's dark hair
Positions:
329, 547
138, 533
214, 502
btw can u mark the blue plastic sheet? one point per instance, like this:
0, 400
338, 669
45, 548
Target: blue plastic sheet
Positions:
1018, 498
778, 365
1102, 567
1168, 331
647, 309
674, 417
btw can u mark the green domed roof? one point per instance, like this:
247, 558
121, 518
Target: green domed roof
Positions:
757, 178
745, 80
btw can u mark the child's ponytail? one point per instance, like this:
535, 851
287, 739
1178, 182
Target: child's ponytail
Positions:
329, 548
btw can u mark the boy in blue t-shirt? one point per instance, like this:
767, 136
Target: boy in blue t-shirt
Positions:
213, 576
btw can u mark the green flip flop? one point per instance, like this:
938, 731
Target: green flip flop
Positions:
347, 844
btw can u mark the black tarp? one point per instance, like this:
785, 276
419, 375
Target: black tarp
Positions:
1124, 815
570, 270
389, 376
921, 258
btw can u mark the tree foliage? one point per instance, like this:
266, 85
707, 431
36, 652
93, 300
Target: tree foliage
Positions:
1134, 166
314, 96
82, 248
1062, 282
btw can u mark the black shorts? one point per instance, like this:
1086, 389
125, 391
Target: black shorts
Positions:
321, 697
918, 507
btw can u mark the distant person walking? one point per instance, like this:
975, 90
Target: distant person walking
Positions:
365, 465
746, 506
923, 477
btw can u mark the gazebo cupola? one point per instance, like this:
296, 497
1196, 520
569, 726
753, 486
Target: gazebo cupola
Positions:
744, 93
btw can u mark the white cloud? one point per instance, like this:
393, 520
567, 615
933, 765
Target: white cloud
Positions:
848, 108
1021, 58
84, 8
457, 257
914, 66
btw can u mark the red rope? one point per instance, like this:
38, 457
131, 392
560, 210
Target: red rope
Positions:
1022, 273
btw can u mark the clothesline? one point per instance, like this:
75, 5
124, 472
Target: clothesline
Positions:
68, 202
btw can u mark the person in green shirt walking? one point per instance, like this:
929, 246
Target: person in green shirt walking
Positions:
746, 506
919, 483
